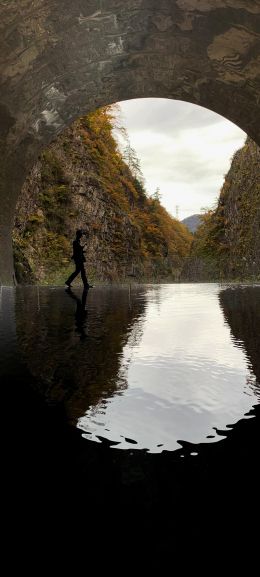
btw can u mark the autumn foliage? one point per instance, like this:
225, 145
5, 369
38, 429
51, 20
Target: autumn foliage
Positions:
226, 246
83, 177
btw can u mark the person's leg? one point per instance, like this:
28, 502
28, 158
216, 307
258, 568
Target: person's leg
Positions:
84, 276
73, 275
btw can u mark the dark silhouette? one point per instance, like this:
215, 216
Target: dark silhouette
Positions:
81, 313
79, 259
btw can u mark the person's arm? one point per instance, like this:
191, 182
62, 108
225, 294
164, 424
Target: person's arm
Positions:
74, 246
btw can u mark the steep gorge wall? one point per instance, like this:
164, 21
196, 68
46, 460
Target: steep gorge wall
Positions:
81, 181
227, 245
239, 206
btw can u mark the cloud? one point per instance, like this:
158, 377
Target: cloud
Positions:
168, 115
183, 148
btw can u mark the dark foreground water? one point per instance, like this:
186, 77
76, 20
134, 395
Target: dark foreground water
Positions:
139, 402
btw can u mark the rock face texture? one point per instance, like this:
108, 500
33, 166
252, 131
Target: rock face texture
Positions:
82, 181
61, 59
227, 245
239, 207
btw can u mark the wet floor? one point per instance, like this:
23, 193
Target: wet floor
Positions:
149, 367
142, 403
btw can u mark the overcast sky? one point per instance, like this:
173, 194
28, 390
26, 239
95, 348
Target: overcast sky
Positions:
184, 149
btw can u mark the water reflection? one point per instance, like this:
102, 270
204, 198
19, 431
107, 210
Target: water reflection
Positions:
81, 312
154, 367
187, 380
241, 310
72, 342
72, 487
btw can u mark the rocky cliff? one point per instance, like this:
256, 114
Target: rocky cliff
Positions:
239, 207
227, 244
81, 181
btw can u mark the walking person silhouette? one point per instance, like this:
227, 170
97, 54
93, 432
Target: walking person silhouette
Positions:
79, 259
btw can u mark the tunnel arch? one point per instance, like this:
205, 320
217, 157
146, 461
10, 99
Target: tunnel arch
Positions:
60, 60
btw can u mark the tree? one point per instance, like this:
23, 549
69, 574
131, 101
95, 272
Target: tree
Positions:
132, 161
156, 195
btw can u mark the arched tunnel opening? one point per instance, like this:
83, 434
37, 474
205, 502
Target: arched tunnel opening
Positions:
91, 178
85, 180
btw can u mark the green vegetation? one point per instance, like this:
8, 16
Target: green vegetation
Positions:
39, 240
227, 244
83, 178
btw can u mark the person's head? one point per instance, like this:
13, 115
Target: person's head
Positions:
79, 233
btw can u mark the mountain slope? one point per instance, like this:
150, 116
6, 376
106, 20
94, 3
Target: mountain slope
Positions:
227, 244
192, 222
81, 181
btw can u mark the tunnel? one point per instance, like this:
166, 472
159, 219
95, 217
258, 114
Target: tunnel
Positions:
62, 59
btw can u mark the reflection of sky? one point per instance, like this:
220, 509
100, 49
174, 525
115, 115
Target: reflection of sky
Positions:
185, 374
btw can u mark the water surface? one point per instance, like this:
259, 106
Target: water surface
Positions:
151, 367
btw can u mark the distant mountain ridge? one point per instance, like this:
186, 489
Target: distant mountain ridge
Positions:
192, 222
